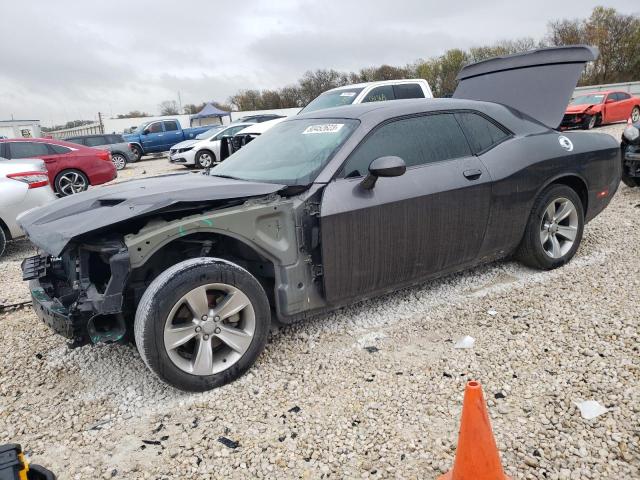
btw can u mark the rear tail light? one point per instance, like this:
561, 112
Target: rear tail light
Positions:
104, 155
32, 179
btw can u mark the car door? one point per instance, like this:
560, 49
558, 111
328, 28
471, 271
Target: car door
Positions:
432, 219
172, 134
625, 105
228, 132
153, 140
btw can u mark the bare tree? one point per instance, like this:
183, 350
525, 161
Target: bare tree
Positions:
169, 107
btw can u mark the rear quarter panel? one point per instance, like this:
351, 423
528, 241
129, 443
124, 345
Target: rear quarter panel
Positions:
524, 166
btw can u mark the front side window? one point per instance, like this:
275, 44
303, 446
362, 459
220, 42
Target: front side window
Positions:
481, 133
408, 90
335, 98
380, 94
291, 153
155, 127
171, 126
417, 140
27, 150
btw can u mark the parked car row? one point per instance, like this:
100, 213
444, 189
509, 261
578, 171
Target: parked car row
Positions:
122, 152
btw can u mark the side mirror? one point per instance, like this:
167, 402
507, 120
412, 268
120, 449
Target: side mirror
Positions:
383, 167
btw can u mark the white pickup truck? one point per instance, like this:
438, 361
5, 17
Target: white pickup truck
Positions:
370, 92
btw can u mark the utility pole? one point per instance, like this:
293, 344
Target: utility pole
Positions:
100, 122
180, 101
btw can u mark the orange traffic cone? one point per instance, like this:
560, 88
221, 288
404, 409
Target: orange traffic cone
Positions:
477, 456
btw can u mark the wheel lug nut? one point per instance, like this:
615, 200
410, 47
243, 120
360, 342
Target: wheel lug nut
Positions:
198, 329
217, 330
216, 318
206, 337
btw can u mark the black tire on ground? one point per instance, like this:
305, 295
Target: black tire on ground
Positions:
590, 122
205, 159
3, 241
137, 153
73, 176
531, 251
119, 160
167, 291
630, 181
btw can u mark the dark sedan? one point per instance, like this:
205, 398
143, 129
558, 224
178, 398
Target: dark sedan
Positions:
324, 209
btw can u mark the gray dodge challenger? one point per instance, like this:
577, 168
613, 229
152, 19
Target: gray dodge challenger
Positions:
325, 209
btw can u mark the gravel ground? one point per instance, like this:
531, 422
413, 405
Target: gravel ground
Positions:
371, 391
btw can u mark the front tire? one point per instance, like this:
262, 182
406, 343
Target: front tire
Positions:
205, 159
590, 123
71, 181
554, 229
202, 323
137, 153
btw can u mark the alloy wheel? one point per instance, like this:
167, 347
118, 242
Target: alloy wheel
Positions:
635, 115
209, 329
559, 227
119, 161
592, 122
205, 160
72, 182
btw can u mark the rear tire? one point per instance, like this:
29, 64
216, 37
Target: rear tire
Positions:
3, 241
554, 229
635, 114
202, 323
630, 181
119, 160
70, 181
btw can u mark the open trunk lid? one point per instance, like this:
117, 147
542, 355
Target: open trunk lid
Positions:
539, 83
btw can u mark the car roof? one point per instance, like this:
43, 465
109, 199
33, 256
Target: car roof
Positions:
394, 109
600, 92
376, 83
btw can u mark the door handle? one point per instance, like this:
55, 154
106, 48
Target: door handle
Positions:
472, 174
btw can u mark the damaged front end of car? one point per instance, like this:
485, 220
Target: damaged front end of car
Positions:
79, 294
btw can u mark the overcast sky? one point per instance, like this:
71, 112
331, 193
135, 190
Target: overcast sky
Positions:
66, 60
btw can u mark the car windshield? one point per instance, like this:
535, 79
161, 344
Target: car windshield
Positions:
209, 133
587, 99
291, 153
335, 98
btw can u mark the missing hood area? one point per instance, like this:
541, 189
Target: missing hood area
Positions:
107, 210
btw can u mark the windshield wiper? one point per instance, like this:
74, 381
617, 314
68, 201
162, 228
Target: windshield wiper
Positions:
225, 176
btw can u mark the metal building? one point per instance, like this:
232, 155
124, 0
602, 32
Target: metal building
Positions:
20, 128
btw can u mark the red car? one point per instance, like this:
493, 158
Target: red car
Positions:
598, 108
71, 167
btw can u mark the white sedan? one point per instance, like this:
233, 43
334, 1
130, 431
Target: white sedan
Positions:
204, 150
24, 184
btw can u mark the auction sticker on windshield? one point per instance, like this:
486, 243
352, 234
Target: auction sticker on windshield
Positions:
323, 128
348, 94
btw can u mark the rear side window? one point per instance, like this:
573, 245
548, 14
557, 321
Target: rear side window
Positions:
59, 148
417, 140
380, 94
115, 139
170, 126
95, 141
482, 133
623, 96
408, 90
27, 150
